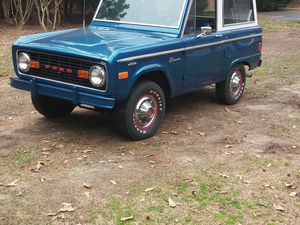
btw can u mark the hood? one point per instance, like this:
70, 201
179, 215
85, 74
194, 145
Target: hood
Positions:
92, 42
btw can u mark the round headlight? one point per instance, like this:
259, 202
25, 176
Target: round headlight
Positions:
24, 62
97, 76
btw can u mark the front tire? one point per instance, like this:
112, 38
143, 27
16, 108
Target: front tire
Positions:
142, 114
231, 90
51, 107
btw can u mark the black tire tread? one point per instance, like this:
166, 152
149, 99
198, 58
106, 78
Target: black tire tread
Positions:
222, 92
121, 113
51, 107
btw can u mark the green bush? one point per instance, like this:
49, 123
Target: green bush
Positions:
269, 5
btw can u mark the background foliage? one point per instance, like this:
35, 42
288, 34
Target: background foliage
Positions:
269, 5
50, 13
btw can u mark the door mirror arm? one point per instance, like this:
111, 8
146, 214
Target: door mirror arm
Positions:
205, 31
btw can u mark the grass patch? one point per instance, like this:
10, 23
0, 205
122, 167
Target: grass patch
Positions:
201, 198
21, 159
271, 25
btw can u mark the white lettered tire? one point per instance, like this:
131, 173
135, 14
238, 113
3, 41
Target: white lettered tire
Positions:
231, 90
143, 112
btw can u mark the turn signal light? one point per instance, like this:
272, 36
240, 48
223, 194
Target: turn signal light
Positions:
123, 75
260, 46
34, 64
83, 74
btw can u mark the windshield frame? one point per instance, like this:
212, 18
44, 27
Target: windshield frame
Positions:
182, 13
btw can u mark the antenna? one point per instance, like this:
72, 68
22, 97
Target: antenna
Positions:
83, 14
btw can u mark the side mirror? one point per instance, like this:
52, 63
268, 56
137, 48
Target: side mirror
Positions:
205, 31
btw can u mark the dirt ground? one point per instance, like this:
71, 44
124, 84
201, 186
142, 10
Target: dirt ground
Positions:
208, 164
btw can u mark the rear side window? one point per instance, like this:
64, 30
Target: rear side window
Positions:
238, 11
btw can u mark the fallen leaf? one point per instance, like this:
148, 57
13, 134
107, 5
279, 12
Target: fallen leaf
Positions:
291, 185
132, 153
60, 216
66, 207
66, 161
42, 179
87, 194
39, 166
229, 153
275, 195
269, 165
223, 175
87, 185
278, 207
112, 161
149, 189
124, 219
238, 122
202, 134
113, 182
87, 151
228, 146
172, 204
293, 194
247, 181
121, 167
121, 148
269, 186
174, 132
152, 162
263, 204
226, 110
164, 132
12, 184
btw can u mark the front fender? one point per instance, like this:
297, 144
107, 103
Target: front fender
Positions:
153, 68
124, 87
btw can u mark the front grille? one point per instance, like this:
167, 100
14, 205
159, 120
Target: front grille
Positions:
59, 61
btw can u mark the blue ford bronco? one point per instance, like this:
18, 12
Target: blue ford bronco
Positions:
136, 54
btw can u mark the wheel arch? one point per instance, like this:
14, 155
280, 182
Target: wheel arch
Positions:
243, 62
157, 74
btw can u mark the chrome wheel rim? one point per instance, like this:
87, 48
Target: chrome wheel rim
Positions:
146, 111
236, 83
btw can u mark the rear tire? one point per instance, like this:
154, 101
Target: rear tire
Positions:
143, 112
51, 107
231, 90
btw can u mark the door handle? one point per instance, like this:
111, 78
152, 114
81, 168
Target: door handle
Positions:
219, 35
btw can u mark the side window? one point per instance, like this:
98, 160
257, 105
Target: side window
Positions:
202, 14
238, 11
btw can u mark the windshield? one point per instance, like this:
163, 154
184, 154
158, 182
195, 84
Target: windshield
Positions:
166, 13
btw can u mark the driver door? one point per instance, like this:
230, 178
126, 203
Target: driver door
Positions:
204, 56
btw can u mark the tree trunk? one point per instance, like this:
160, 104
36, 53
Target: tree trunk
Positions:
6, 10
